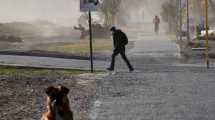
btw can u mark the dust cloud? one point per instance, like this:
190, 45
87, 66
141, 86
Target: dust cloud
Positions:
64, 12
143, 10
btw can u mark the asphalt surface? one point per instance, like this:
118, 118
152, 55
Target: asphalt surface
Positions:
163, 87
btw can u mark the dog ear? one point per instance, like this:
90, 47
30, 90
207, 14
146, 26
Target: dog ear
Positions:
49, 90
64, 89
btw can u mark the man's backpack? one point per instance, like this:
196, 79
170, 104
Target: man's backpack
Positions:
123, 38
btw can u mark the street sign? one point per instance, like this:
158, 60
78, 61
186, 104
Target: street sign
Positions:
88, 5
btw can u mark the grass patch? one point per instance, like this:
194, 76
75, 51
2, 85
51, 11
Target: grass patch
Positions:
172, 36
10, 71
81, 47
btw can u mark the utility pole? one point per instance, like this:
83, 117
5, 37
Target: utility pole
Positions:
188, 21
180, 19
206, 36
177, 23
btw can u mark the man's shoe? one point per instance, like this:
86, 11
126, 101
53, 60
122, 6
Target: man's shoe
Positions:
131, 70
110, 69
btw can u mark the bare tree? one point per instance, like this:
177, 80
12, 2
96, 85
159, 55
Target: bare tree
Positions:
212, 4
110, 8
198, 9
169, 14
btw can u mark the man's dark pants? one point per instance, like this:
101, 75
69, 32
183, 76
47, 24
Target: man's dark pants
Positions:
121, 51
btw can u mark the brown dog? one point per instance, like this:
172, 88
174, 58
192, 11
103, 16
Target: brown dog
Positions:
57, 104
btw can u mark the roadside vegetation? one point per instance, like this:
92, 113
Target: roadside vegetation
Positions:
81, 47
37, 72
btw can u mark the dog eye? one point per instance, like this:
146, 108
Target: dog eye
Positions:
53, 95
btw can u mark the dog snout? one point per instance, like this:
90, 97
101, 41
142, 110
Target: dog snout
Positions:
59, 101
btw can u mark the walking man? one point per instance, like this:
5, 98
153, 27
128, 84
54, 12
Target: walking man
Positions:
120, 40
156, 22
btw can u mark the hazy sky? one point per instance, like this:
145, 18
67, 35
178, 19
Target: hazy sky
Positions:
60, 11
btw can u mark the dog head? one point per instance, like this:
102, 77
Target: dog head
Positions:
57, 97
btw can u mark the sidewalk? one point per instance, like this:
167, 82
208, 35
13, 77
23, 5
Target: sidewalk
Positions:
46, 62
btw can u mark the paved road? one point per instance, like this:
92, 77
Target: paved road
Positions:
161, 88
46, 62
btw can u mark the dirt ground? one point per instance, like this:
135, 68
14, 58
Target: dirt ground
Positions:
22, 96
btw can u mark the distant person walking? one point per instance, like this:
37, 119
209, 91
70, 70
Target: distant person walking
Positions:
156, 22
120, 40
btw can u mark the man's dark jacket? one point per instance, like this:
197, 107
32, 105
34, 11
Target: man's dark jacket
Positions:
120, 39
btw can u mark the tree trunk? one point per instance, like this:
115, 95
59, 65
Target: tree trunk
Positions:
212, 6
113, 20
